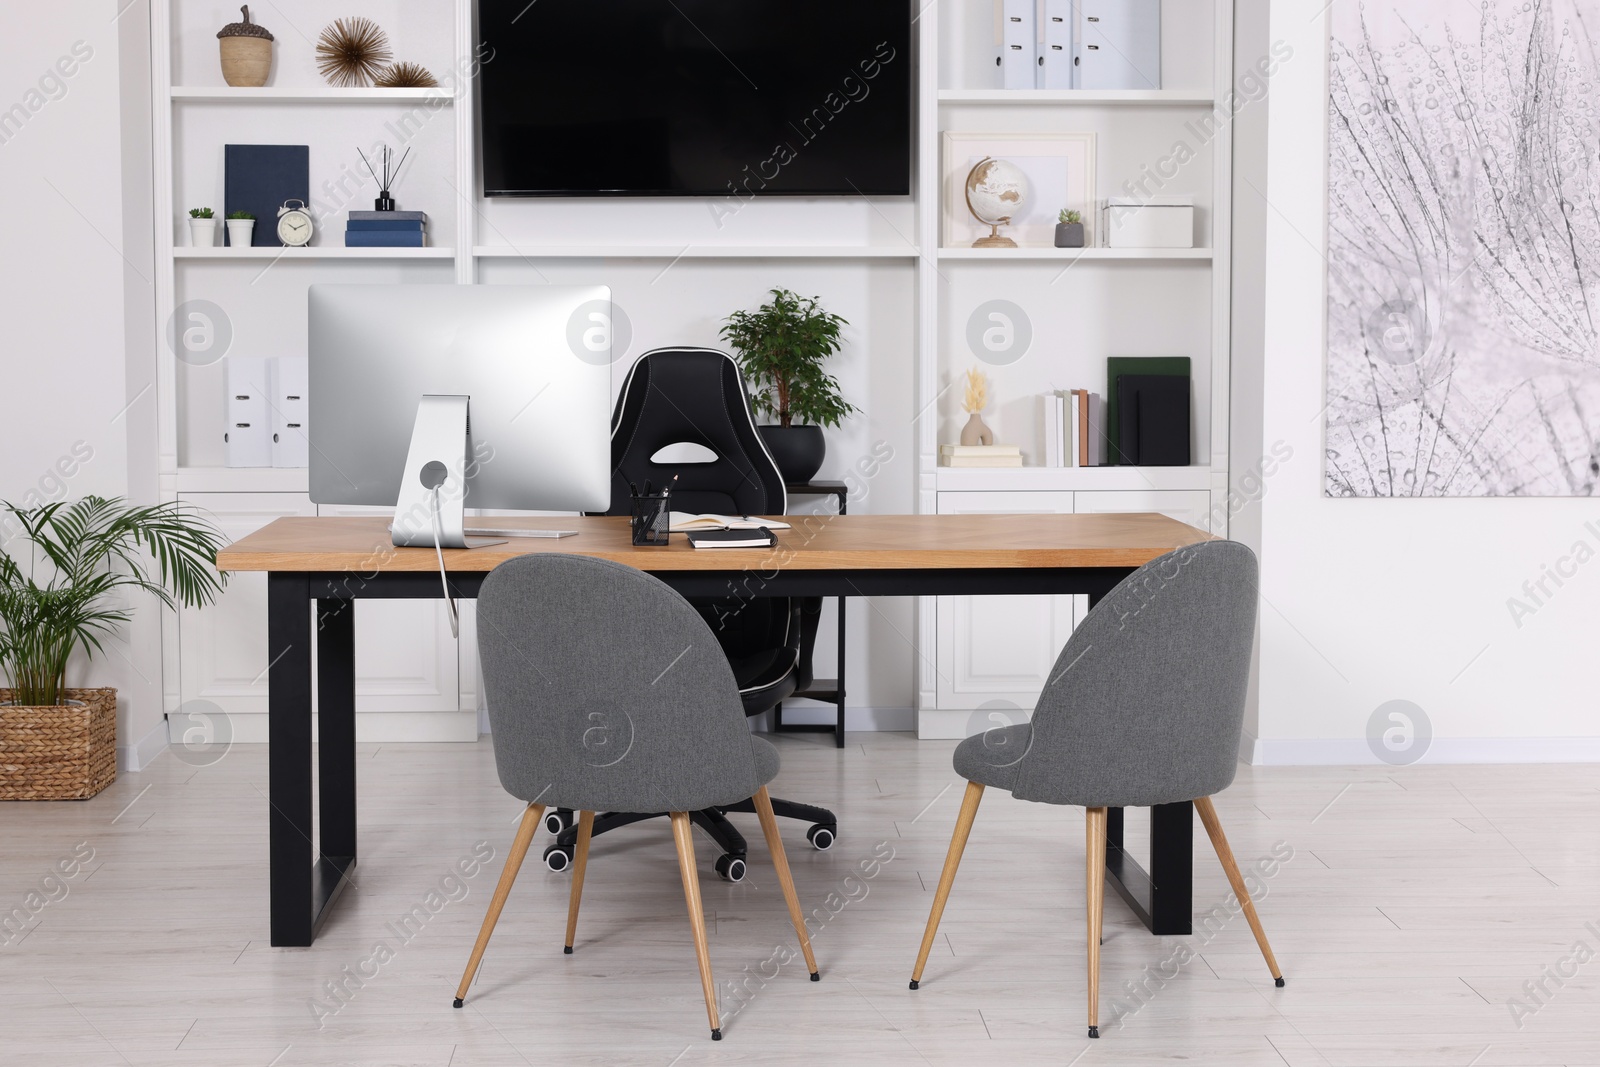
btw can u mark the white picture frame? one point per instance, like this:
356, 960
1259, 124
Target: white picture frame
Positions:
1061, 174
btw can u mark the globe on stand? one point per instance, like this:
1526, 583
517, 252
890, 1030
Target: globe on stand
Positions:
997, 191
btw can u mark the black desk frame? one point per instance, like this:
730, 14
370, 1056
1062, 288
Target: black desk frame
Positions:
827, 690
304, 607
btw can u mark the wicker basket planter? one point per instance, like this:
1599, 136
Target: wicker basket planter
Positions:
58, 753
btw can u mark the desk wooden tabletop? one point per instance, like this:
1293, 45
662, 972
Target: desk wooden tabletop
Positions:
817, 542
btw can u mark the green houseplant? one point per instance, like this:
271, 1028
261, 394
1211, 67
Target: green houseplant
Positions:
202, 227
62, 568
241, 228
1069, 229
781, 348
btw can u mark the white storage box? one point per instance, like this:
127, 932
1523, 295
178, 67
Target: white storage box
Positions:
1158, 222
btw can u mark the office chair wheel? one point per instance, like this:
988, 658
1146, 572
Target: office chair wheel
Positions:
557, 821
731, 867
821, 836
557, 858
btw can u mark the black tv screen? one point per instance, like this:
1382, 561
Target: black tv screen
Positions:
695, 97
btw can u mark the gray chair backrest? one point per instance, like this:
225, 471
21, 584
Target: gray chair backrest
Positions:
607, 691
1146, 702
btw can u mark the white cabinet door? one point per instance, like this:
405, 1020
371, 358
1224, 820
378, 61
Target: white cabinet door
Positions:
995, 652
222, 648
1192, 506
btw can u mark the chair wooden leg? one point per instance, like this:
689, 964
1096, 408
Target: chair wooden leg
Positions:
1095, 891
580, 863
508, 877
769, 827
1219, 841
683, 837
952, 860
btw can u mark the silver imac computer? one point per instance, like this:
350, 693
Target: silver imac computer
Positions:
435, 398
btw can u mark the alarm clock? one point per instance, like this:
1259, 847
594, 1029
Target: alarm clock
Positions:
294, 224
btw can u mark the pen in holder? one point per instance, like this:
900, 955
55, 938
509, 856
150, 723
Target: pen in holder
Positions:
651, 519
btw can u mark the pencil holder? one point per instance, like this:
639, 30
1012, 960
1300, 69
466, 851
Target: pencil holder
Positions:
650, 520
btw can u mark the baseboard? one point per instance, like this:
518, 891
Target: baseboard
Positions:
131, 759
1346, 751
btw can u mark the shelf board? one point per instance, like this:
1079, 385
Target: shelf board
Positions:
696, 252
1081, 97
312, 252
1068, 479
1076, 253
309, 93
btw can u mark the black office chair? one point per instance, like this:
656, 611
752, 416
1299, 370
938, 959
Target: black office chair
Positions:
695, 396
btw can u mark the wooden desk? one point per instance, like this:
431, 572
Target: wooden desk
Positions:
331, 562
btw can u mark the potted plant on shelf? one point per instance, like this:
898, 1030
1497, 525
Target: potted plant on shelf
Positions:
781, 348
202, 227
241, 228
57, 596
1069, 229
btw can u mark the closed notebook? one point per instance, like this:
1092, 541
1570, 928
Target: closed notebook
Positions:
259, 178
762, 538
1119, 366
1153, 420
385, 239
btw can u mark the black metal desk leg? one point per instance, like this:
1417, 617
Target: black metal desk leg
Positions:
838, 729
336, 728
289, 756
1171, 868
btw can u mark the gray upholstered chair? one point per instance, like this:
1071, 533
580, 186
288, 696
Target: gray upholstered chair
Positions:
1143, 707
608, 692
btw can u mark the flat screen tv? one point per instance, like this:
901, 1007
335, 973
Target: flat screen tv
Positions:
695, 97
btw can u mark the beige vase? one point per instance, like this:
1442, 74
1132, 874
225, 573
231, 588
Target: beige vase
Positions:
976, 432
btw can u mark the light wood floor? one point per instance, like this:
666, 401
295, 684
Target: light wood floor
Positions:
1417, 901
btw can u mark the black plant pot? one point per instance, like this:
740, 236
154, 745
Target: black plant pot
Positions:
797, 450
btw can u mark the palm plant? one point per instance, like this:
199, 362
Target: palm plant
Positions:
781, 347
59, 598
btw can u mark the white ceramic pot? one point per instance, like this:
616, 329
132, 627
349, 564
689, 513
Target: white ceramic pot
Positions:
240, 232
203, 233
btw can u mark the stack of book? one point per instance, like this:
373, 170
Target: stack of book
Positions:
386, 229
1074, 431
980, 456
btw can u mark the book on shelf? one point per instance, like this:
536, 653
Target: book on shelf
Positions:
385, 239
980, 455
1118, 367
1074, 434
388, 216
380, 225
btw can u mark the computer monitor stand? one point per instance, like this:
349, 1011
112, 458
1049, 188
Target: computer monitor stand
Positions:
430, 509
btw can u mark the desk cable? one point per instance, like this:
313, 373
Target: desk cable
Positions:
438, 548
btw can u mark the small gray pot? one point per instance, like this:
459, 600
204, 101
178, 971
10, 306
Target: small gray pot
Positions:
1069, 235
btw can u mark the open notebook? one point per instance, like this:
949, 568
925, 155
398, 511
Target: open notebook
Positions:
683, 522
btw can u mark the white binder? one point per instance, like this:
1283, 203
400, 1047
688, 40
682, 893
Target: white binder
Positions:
1053, 69
248, 434
1118, 44
1015, 44
291, 447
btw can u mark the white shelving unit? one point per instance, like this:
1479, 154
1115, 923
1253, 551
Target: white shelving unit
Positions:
979, 656
677, 266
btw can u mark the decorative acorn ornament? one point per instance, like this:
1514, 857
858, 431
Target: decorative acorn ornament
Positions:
246, 52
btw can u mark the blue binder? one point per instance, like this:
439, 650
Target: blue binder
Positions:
258, 178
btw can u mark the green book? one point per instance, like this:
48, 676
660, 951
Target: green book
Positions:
1116, 367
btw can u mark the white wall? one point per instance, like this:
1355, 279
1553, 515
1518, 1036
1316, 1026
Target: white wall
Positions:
72, 259
1367, 601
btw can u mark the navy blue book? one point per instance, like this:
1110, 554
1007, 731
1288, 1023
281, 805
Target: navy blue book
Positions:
383, 239
258, 178
379, 226
388, 216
